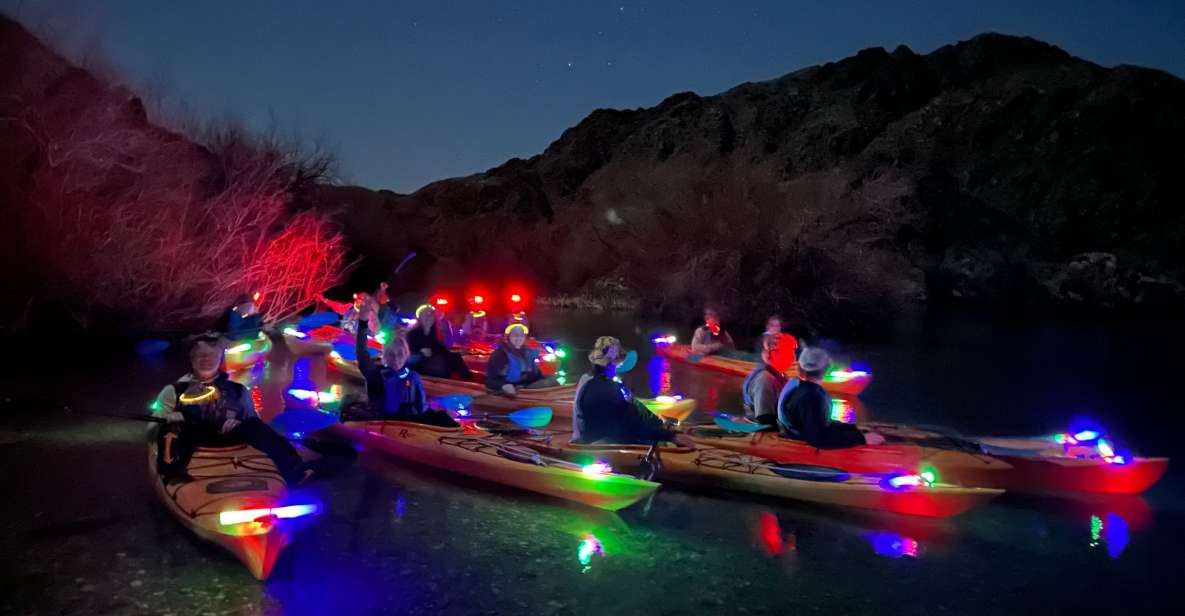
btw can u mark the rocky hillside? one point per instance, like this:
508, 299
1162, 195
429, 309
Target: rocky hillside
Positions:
995, 170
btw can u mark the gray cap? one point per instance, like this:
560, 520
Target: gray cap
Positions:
814, 360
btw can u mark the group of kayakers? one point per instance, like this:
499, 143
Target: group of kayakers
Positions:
206, 407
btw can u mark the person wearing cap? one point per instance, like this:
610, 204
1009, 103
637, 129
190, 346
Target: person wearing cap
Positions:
804, 408
514, 365
430, 355
605, 411
762, 387
206, 408
242, 320
394, 391
710, 338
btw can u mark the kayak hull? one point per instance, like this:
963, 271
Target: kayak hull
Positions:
492, 458
730, 470
228, 478
956, 460
850, 386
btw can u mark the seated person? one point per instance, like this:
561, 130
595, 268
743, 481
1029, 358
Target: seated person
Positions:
243, 320
475, 327
206, 409
773, 328
513, 364
430, 355
710, 338
804, 408
762, 387
605, 410
394, 391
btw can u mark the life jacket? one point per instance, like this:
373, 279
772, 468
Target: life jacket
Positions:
225, 403
519, 367
401, 391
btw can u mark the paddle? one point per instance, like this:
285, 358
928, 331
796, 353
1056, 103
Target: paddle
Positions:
533, 417
728, 423
627, 364
295, 423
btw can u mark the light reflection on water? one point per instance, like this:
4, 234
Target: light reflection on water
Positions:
399, 537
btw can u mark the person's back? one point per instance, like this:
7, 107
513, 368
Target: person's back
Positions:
605, 411
804, 408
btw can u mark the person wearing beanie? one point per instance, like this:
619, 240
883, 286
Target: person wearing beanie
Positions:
605, 411
804, 408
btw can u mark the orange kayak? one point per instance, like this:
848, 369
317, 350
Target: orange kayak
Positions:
490, 457
731, 470
235, 499
1030, 465
843, 382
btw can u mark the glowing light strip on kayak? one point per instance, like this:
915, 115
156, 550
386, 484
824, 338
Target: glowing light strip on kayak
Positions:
295, 333
228, 518
242, 348
901, 483
597, 469
845, 375
667, 399
671, 339
206, 394
324, 397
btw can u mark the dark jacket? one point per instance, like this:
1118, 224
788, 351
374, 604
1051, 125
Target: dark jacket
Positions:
233, 401
804, 413
510, 366
606, 411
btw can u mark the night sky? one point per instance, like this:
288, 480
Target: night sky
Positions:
404, 93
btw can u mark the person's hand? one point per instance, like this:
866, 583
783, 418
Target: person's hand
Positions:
426, 352
173, 417
509, 389
383, 286
683, 440
229, 425
873, 438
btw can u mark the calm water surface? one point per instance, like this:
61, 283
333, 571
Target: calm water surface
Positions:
84, 534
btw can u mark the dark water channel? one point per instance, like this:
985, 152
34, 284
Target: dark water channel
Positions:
84, 534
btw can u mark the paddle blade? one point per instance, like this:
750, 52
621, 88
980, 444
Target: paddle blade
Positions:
453, 402
627, 364
726, 422
534, 417
296, 423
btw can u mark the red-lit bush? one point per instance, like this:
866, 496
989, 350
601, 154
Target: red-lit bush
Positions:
119, 218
